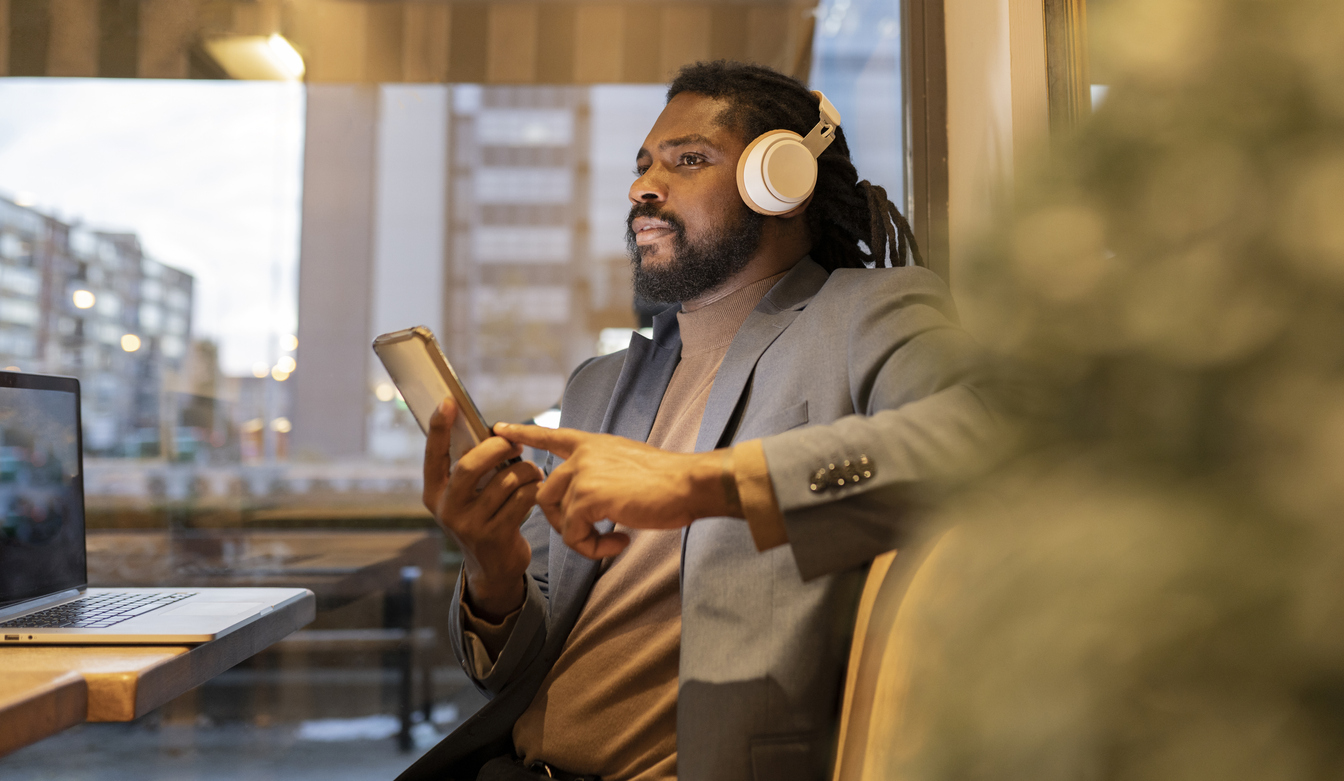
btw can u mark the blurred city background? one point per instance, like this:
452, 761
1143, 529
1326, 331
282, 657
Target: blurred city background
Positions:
213, 257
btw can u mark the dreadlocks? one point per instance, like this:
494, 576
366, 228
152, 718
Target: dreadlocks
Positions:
846, 215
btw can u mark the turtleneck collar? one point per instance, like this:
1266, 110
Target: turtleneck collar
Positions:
713, 325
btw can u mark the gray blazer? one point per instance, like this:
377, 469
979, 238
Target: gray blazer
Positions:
827, 369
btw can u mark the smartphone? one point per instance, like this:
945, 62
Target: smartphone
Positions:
422, 373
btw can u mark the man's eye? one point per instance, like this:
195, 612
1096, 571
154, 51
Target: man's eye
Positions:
690, 158
640, 170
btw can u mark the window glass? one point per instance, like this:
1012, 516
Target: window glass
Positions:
856, 63
164, 242
213, 258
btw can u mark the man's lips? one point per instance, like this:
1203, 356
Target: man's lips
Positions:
650, 229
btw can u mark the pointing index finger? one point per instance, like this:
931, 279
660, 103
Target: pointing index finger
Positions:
560, 441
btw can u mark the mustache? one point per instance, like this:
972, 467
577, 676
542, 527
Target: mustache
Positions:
655, 211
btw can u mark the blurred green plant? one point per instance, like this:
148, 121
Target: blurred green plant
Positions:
1153, 587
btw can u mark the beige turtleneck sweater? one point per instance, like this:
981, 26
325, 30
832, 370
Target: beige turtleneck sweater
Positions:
608, 705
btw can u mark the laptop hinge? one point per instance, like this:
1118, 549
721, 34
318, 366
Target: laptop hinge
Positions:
30, 605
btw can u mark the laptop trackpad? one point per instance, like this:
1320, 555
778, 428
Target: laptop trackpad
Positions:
216, 608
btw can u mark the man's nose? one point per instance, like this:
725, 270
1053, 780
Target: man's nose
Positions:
647, 189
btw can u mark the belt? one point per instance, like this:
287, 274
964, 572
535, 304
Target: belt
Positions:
544, 770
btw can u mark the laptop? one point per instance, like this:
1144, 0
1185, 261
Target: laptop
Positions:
44, 593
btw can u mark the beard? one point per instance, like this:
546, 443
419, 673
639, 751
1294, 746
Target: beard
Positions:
695, 268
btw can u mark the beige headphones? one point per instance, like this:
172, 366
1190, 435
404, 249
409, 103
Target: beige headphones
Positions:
777, 171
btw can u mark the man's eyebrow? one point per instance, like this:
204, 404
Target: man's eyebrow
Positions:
693, 138
671, 143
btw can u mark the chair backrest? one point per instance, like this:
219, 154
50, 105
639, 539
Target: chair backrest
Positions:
878, 674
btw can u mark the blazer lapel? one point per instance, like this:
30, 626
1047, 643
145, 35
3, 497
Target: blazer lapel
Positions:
643, 379
634, 404
775, 313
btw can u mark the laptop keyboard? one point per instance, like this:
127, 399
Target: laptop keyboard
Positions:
96, 611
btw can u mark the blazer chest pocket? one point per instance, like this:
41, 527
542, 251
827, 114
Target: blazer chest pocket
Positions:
776, 422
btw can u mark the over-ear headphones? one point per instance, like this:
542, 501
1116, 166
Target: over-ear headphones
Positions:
778, 170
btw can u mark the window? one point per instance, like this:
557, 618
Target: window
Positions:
213, 258
856, 62
175, 248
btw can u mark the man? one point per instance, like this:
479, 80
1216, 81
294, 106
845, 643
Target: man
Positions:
754, 456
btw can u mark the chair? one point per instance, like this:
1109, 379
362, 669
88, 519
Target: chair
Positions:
877, 678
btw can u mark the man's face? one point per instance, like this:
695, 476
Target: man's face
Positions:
688, 230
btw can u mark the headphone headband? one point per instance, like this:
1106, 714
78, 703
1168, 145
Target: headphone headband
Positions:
824, 133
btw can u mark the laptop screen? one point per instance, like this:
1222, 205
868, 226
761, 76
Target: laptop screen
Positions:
41, 487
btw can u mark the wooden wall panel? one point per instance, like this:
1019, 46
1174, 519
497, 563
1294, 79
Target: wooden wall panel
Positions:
337, 49
728, 32
118, 38
215, 17
424, 42
643, 45
72, 47
29, 26
469, 42
686, 36
382, 46
512, 54
414, 41
246, 19
802, 28
768, 35
262, 17
298, 23
556, 43
599, 43
4, 37
167, 30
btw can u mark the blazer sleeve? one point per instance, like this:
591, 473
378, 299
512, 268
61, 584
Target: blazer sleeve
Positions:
528, 633
921, 421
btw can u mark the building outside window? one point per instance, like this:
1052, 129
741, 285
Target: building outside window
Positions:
212, 261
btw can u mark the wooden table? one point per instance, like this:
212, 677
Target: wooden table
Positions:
339, 566
34, 705
45, 689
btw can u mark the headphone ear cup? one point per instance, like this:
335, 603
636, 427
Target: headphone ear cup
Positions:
776, 172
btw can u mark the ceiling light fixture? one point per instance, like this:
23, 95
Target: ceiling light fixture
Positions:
256, 57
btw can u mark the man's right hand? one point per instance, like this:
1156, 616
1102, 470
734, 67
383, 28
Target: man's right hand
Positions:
485, 524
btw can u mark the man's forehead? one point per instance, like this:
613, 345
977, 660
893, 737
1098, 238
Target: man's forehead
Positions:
690, 117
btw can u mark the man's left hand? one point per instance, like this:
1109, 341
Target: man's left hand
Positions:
630, 483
